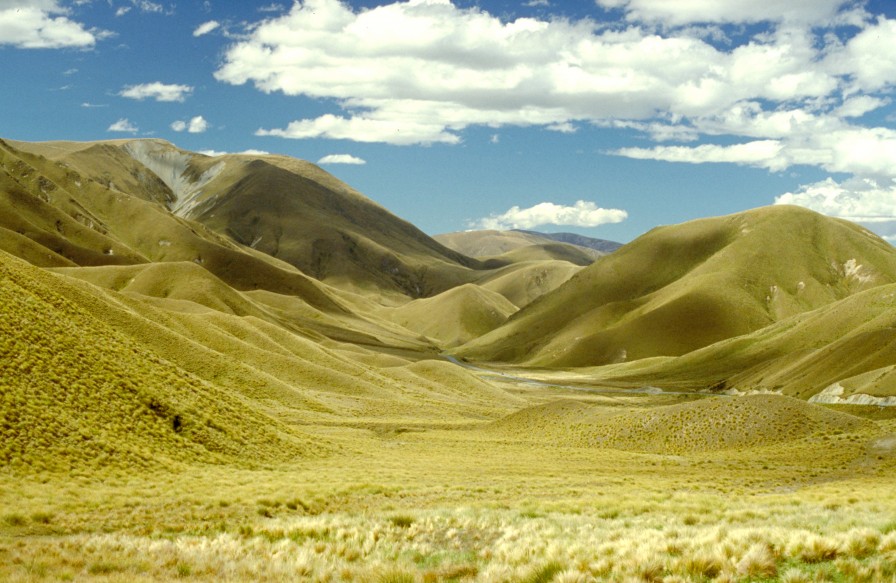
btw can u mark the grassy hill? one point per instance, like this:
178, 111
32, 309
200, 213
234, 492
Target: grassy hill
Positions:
455, 316
513, 246
850, 343
684, 287
124, 201
696, 426
77, 392
524, 282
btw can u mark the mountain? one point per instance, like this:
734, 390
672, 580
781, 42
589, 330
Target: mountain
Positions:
841, 349
515, 245
602, 245
680, 288
283, 208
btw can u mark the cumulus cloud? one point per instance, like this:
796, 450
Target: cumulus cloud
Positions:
206, 27
123, 125
43, 25
365, 129
341, 159
863, 200
196, 125
691, 75
736, 11
158, 91
581, 214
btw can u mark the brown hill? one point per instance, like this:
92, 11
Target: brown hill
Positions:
102, 203
680, 288
513, 246
697, 426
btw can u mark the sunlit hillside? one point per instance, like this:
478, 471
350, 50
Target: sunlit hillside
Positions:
685, 287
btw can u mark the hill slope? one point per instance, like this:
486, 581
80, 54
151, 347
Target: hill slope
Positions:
508, 245
455, 316
680, 288
697, 426
94, 200
848, 347
77, 392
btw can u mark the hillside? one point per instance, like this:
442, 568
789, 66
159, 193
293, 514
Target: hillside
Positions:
698, 426
680, 288
602, 245
78, 392
843, 349
455, 316
513, 246
123, 201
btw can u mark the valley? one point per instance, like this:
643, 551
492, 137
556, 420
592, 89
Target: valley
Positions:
237, 367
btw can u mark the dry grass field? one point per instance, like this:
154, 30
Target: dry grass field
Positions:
471, 504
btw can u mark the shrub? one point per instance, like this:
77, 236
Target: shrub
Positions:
401, 520
759, 561
543, 574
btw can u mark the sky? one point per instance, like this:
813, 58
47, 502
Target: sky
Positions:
600, 117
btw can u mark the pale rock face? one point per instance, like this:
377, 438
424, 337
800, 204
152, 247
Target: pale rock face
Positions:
833, 395
171, 165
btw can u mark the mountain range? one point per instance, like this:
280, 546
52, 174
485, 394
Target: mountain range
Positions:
204, 292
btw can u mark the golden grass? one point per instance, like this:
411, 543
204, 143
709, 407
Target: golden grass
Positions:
408, 506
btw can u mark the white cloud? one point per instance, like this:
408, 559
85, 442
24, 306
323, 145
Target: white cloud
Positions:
581, 214
89, 105
858, 199
42, 25
206, 27
123, 125
762, 153
196, 125
364, 129
459, 67
158, 91
122, 10
341, 159
689, 74
683, 12
147, 6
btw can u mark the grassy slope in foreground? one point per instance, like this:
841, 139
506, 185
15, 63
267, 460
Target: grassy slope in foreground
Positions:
684, 287
76, 392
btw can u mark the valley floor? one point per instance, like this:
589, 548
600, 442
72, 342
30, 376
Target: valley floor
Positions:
477, 503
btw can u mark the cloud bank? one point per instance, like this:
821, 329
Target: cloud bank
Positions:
581, 214
695, 77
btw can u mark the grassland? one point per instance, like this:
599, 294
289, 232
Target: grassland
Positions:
400, 504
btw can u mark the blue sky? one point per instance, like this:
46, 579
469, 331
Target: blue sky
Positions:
603, 117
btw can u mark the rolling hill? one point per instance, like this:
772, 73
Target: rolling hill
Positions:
514, 245
130, 201
680, 288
